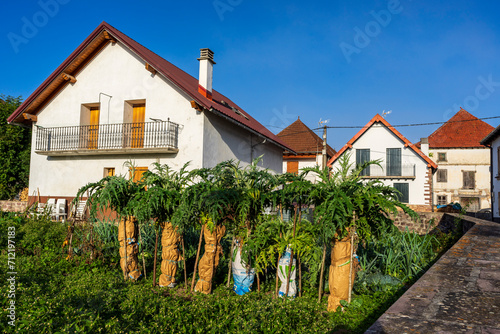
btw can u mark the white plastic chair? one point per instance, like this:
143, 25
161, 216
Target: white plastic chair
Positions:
60, 209
50, 207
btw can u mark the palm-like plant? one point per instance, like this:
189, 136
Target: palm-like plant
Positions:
346, 204
120, 195
159, 203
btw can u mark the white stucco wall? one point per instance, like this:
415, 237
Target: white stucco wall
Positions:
457, 161
118, 72
224, 140
378, 138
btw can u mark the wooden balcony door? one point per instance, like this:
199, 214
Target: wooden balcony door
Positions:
93, 128
138, 115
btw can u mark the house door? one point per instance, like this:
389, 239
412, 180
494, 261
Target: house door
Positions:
93, 128
139, 111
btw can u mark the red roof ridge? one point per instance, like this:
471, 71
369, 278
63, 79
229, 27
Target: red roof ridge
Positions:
377, 118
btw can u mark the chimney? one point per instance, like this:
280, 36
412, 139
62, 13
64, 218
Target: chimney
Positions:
424, 146
206, 72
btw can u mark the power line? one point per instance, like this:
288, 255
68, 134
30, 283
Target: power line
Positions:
406, 125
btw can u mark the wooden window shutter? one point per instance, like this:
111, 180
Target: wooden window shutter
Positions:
292, 167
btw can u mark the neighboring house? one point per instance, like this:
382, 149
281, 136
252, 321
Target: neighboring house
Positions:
113, 100
463, 175
307, 146
492, 140
402, 165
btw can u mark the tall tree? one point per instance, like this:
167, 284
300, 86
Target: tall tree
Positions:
15, 144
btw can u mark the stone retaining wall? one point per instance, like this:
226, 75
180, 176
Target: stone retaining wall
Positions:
13, 206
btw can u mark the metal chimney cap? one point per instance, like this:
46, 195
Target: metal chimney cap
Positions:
424, 140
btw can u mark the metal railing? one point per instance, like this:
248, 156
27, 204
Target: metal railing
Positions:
384, 170
161, 134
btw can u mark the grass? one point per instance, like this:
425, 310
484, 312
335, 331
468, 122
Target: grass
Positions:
55, 295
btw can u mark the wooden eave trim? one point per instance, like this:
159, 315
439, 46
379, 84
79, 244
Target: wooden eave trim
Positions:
30, 117
150, 69
68, 77
197, 106
108, 36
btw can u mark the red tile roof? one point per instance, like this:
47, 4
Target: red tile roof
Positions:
221, 105
462, 130
303, 140
382, 120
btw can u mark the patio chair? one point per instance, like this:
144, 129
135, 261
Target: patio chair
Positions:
79, 211
60, 209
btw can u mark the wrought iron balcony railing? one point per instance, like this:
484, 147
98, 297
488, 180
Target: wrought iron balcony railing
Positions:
160, 136
389, 171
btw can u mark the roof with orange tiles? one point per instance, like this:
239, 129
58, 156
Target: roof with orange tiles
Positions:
380, 119
303, 140
463, 130
220, 105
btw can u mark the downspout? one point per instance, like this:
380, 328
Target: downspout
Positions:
432, 190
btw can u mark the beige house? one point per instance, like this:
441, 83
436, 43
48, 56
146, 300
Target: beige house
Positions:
463, 173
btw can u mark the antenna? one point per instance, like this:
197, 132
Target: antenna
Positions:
323, 122
386, 112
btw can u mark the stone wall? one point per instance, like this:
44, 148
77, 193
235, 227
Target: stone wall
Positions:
13, 206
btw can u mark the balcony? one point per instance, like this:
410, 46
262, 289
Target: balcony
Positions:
122, 138
403, 171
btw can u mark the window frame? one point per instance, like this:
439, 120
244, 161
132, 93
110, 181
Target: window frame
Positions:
442, 154
439, 198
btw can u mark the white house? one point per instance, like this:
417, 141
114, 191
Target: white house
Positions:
492, 140
308, 148
463, 175
113, 100
403, 165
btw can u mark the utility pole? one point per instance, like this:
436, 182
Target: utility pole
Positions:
323, 152
324, 147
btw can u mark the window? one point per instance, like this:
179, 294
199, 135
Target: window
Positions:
441, 156
469, 178
137, 173
362, 156
404, 189
393, 161
442, 175
109, 171
292, 167
442, 200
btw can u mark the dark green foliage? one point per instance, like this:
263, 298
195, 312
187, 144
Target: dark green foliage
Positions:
15, 143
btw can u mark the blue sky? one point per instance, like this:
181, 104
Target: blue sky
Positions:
339, 60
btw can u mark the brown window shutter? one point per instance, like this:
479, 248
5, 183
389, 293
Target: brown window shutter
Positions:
292, 167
